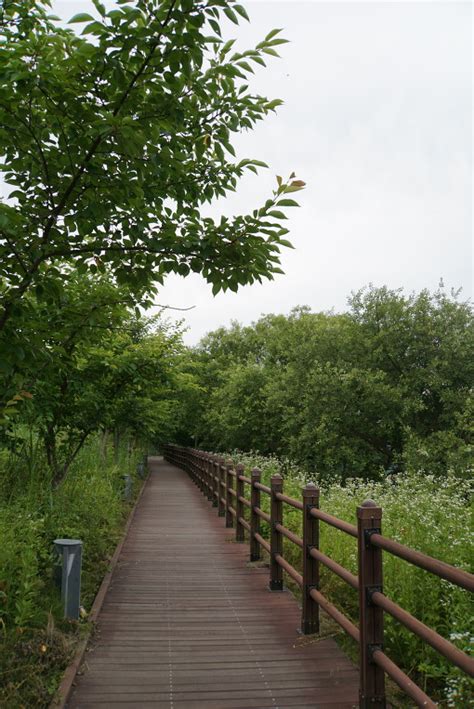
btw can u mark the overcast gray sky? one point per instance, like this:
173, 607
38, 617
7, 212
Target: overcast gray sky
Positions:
378, 122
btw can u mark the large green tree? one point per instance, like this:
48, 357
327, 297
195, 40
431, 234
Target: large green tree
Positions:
385, 386
112, 141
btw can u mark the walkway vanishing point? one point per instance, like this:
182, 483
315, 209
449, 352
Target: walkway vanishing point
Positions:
188, 623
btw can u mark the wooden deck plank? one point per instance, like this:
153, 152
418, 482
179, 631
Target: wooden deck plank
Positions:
188, 623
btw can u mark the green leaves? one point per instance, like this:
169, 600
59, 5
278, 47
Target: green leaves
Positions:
81, 17
287, 203
242, 12
228, 12
113, 141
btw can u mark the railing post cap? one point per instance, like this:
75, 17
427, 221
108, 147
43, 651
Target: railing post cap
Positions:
310, 490
276, 479
240, 466
369, 510
256, 472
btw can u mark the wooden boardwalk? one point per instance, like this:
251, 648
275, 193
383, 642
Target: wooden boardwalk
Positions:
187, 623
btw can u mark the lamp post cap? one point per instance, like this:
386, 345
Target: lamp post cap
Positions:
67, 542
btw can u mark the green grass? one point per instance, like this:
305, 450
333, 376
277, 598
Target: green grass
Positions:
426, 513
36, 644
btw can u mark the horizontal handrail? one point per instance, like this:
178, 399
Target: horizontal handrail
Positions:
289, 501
245, 480
445, 571
341, 619
430, 636
290, 535
335, 522
290, 570
263, 515
244, 523
263, 488
403, 681
263, 542
335, 567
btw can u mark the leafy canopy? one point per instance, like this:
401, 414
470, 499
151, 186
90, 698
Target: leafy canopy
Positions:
112, 141
384, 387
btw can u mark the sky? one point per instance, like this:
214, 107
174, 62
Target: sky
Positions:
377, 120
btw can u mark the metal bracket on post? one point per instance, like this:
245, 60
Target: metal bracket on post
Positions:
369, 591
368, 534
373, 648
70, 552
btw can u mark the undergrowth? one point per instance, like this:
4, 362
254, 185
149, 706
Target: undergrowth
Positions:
424, 512
36, 643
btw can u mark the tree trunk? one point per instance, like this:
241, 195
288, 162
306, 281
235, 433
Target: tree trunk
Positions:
104, 439
116, 446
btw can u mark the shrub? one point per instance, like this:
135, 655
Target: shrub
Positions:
37, 643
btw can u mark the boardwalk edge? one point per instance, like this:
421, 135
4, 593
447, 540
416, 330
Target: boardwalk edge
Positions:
62, 693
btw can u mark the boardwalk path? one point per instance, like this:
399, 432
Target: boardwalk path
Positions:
188, 623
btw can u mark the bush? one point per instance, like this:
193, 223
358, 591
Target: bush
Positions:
37, 643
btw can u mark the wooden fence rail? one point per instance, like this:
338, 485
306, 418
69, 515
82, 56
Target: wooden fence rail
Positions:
223, 483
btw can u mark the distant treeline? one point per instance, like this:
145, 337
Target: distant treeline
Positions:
383, 387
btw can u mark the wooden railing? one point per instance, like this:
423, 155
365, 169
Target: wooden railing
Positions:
224, 484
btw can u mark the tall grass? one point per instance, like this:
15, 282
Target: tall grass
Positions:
424, 512
36, 643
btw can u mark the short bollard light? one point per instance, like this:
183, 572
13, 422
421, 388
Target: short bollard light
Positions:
127, 486
141, 470
70, 553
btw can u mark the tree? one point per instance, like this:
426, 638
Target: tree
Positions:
97, 367
113, 140
383, 387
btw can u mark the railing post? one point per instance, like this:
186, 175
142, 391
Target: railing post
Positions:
372, 678
310, 610
200, 472
276, 539
254, 518
239, 507
214, 480
189, 466
229, 520
202, 466
221, 492
209, 479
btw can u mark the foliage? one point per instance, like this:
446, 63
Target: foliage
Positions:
384, 387
113, 139
96, 366
36, 643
